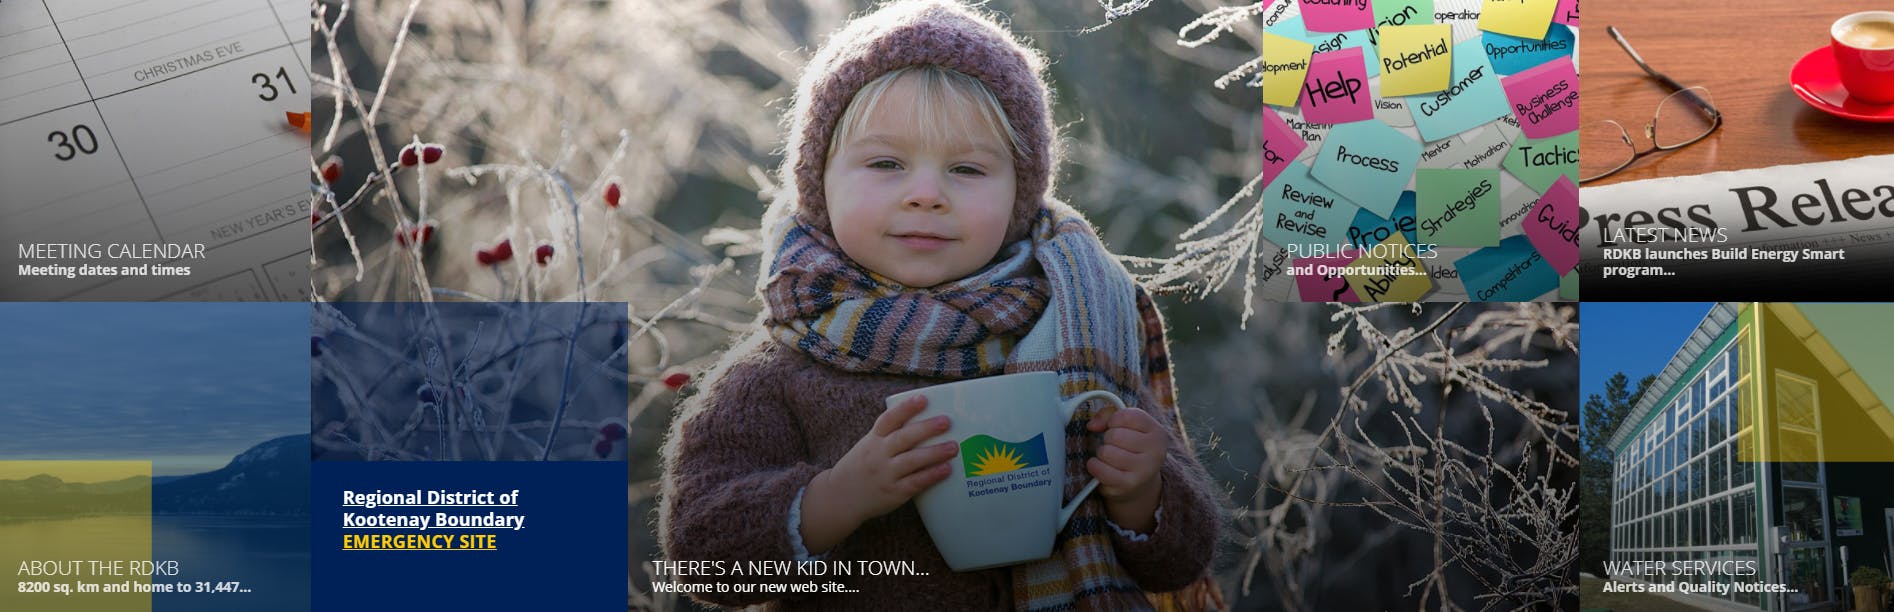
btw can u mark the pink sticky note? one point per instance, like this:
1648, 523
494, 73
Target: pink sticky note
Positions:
1567, 13
1316, 287
1336, 89
1552, 226
1281, 145
1336, 15
1544, 98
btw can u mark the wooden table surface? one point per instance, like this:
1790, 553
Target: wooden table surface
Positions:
1742, 52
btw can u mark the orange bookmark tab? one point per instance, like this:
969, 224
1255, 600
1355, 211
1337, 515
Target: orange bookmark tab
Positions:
299, 121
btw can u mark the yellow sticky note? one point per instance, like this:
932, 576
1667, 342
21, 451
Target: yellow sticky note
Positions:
1285, 63
1415, 59
1521, 18
1390, 272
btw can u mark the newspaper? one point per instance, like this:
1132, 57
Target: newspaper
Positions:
1822, 231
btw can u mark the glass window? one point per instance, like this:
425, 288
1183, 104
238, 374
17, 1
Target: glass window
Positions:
1749, 598
1808, 575
1720, 521
1696, 392
1719, 473
1798, 445
1699, 436
1718, 383
1694, 480
1802, 514
1688, 523
1699, 523
1743, 517
1718, 416
1795, 402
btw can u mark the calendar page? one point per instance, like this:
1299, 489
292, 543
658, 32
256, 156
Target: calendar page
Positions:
147, 151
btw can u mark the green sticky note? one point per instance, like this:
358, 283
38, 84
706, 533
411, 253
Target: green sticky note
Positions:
1568, 286
1540, 162
1457, 208
1403, 12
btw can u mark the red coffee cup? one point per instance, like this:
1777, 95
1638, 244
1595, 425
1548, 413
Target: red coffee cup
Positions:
1863, 44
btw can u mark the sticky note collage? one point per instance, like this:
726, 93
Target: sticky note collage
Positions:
1422, 150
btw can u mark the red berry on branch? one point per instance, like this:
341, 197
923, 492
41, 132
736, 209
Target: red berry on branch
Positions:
602, 449
332, 170
409, 157
431, 153
611, 195
504, 251
543, 253
414, 234
612, 431
315, 218
676, 379
485, 257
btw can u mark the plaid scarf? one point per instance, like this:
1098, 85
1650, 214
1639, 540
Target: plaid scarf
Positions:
1058, 302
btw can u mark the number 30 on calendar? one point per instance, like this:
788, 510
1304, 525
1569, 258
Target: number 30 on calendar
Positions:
71, 143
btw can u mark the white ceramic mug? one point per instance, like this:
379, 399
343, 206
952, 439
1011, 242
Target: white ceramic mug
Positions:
1000, 506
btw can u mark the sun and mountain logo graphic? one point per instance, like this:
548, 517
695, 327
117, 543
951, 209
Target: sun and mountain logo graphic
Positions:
985, 455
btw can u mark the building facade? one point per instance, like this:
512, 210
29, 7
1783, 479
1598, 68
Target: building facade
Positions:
1764, 440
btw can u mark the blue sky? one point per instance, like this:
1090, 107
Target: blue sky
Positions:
1634, 338
187, 386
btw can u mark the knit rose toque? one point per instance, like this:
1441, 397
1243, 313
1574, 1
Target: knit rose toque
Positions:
909, 33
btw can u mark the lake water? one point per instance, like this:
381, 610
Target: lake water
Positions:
268, 556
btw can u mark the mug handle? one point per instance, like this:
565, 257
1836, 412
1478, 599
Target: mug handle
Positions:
1066, 410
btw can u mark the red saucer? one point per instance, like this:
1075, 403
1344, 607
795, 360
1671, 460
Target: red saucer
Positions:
1815, 81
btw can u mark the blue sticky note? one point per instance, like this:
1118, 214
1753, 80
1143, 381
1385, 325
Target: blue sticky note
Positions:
1510, 54
1510, 272
1370, 229
1299, 212
1368, 163
1331, 41
1473, 96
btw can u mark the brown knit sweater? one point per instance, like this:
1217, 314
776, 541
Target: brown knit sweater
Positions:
769, 418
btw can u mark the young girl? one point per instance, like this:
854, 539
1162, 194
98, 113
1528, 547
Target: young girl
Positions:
917, 243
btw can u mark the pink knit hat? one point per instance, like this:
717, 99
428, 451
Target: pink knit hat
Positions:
914, 32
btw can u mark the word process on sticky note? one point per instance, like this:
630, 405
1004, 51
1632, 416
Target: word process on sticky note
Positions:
1445, 127
156, 122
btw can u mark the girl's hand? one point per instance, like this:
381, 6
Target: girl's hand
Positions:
1127, 466
885, 469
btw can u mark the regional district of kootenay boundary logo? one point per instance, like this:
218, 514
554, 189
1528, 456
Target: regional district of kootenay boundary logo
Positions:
985, 455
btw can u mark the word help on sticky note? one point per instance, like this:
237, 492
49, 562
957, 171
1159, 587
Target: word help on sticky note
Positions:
1336, 90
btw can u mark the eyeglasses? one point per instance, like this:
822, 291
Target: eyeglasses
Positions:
1683, 118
